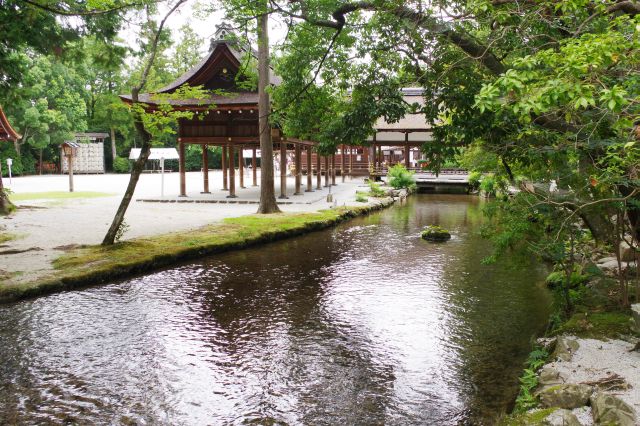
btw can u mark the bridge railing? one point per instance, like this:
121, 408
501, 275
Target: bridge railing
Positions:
382, 171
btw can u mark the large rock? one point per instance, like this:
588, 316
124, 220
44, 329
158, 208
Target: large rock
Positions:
610, 410
565, 348
561, 418
635, 313
550, 377
565, 396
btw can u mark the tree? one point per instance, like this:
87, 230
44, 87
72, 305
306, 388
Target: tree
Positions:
150, 123
50, 104
267, 194
188, 52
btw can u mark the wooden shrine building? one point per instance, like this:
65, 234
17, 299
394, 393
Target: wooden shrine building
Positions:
230, 120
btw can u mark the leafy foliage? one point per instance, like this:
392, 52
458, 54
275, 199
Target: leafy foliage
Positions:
400, 177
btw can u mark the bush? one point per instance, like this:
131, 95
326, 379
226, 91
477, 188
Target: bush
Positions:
400, 177
375, 190
120, 165
474, 180
489, 185
361, 198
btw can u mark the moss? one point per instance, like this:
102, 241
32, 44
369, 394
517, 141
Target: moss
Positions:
435, 233
529, 418
56, 195
99, 264
598, 325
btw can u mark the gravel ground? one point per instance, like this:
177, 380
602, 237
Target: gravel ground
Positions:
597, 359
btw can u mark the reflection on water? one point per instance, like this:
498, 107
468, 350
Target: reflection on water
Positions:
362, 324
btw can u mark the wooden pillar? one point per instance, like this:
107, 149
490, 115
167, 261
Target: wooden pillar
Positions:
205, 169
225, 171
351, 161
232, 171
298, 165
380, 157
283, 170
333, 169
241, 166
254, 166
183, 178
342, 162
309, 171
407, 163
326, 170
318, 171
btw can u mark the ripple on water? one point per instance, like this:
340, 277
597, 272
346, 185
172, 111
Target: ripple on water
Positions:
365, 323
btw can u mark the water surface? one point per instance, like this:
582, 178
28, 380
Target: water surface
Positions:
361, 324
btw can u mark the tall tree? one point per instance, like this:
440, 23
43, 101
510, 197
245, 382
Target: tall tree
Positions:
268, 202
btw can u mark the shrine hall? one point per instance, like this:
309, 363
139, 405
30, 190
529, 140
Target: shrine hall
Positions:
231, 122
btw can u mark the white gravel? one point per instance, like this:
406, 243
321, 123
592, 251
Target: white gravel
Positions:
597, 359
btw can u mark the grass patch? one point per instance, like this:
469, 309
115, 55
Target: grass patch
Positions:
6, 236
597, 325
56, 195
98, 264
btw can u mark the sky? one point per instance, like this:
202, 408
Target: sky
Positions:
204, 27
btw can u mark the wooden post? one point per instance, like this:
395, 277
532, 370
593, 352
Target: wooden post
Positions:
241, 166
205, 168
351, 161
298, 165
225, 172
70, 162
318, 171
342, 162
333, 169
326, 170
283, 170
232, 172
254, 166
309, 171
181, 166
407, 163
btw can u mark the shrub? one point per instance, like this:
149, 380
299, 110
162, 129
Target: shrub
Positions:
375, 190
400, 177
361, 198
488, 184
474, 180
120, 165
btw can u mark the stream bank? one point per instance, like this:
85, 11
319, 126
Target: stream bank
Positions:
588, 372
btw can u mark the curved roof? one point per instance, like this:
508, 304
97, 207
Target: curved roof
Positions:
224, 54
6, 131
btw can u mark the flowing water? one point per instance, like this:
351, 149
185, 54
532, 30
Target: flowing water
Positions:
361, 324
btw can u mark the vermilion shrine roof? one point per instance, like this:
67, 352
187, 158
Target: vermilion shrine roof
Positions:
6, 131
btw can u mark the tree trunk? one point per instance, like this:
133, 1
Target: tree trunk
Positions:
114, 154
267, 193
6, 206
138, 166
145, 137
